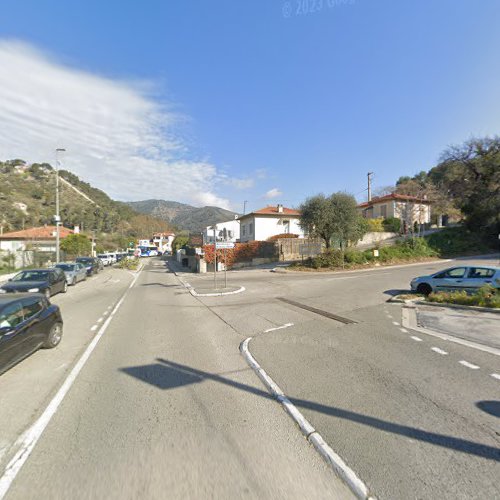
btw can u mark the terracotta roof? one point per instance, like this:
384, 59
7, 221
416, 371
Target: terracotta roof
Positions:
392, 196
273, 210
37, 233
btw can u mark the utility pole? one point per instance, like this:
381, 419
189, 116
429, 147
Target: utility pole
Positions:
245, 207
57, 218
370, 186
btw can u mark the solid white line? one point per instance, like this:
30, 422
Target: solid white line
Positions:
395, 323
404, 330
439, 351
341, 468
469, 365
418, 339
496, 375
94, 328
33, 434
286, 325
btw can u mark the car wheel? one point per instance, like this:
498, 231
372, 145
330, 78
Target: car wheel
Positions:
424, 289
47, 293
65, 287
54, 336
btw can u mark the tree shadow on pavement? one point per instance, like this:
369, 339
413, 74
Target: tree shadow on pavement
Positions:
166, 374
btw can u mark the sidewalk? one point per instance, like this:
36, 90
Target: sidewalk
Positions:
474, 326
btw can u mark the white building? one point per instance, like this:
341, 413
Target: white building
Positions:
163, 241
224, 231
270, 221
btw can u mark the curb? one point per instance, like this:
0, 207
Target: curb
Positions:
343, 471
194, 293
458, 306
409, 320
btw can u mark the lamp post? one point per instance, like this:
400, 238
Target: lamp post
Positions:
57, 216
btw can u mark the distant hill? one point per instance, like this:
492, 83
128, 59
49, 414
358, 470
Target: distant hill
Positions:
185, 217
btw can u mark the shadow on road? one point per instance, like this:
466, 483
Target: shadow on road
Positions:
160, 284
166, 374
491, 407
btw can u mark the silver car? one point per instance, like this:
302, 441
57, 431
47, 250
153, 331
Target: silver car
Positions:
74, 271
468, 278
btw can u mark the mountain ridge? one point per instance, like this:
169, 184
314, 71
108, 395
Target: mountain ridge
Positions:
185, 217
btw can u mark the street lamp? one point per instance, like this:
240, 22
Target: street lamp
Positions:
57, 217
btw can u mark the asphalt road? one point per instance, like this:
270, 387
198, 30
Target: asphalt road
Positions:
414, 416
166, 407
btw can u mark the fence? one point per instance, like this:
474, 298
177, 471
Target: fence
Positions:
298, 248
11, 261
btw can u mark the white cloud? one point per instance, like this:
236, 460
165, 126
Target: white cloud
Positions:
117, 137
273, 193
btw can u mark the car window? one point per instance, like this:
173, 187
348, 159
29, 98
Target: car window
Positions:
457, 272
31, 308
480, 272
11, 315
31, 276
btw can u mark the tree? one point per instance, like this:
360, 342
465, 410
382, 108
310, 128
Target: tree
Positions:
333, 217
76, 244
317, 218
470, 174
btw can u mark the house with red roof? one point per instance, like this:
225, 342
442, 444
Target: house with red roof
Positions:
269, 221
41, 238
409, 209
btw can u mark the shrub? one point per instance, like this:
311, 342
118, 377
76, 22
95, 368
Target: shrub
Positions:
131, 263
486, 296
456, 241
392, 225
355, 257
282, 236
330, 258
375, 225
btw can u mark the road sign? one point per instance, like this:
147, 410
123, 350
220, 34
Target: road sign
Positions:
223, 244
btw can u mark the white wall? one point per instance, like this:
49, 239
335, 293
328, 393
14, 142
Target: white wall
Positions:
232, 226
262, 228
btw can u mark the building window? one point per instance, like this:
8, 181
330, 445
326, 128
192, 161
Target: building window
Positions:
250, 228
243, 230
383, 211
286, 226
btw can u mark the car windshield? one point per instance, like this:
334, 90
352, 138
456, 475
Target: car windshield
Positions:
85, 260
66, 267
32, 276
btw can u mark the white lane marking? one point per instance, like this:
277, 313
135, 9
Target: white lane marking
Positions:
439, 351
395, 323
389, 316
109, 307
105, 313
29, 439
94, 328
469, 365
286, 325
496, 375
335, 461
100, 319
404, 330
418, 339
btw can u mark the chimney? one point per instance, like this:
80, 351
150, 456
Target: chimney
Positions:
280, 208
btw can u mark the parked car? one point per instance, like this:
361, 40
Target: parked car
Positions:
74, 271
469, 278
105, 259
92, 264
27, 322
46, 281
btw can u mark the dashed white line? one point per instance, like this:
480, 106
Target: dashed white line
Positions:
105, 313
496, 375
94, 328
404, 330
395, 323
439, 351
100, 319
389, 316
418, 339
469, 365
286, 325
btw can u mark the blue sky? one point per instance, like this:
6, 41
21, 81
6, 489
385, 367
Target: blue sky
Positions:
247, 97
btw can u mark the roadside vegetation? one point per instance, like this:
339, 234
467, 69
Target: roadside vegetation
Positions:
130, 263
486, 296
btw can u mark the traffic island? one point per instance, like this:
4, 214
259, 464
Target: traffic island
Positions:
215, 292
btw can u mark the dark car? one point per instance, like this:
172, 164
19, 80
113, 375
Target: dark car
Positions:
46, 281
92, 264
27, 322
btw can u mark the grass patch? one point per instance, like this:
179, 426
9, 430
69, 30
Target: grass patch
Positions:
486, 296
